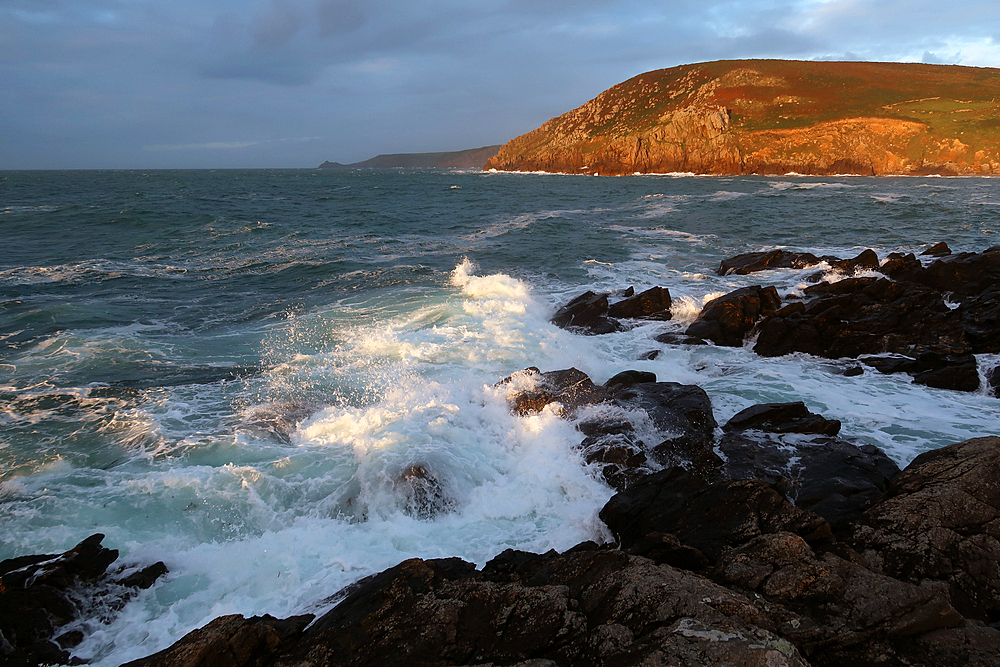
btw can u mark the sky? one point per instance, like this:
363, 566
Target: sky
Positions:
291, 83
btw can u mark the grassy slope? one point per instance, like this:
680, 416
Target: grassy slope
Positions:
952, 102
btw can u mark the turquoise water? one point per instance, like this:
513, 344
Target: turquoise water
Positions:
228, 371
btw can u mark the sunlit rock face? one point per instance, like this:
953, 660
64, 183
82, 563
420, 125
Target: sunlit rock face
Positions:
775, 117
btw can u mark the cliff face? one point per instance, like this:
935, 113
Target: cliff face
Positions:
774, 116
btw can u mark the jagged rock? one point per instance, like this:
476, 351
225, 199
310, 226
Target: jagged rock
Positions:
939, 249
931, 368
727, 319
570, 387
867, 259
993, 378
231, 641
422, 494
684, 411
588, 314
712, 518
859, 316
653, 304
829, 476
835, 604
782, 418
940, 520
37, 596
752, 262
980, 319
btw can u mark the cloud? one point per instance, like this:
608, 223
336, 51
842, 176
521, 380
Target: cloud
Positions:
123, 83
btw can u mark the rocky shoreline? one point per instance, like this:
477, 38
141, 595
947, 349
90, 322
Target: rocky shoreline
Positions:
769, 540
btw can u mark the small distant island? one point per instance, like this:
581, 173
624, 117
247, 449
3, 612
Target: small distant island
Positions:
473, 158
777, 117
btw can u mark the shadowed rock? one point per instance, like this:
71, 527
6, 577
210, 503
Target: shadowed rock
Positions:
940, 520
727, 319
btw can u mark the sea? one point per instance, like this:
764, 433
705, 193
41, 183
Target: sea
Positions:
232, 371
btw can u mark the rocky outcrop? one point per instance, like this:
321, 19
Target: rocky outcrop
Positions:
40, 594
775, 117
702, 573
592, 313
940, 521
728, 319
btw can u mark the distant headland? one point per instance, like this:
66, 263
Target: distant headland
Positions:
474, 158
777, 117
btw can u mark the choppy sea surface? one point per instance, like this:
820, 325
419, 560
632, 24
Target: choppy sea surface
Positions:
229, 371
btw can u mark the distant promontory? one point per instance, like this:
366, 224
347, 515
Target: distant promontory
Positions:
474, 158
776, 117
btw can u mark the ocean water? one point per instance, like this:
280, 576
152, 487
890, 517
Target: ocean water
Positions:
233, 371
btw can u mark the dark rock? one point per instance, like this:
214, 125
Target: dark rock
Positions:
993, 378
963, 274
143, 578
782, 418
588, 314
940, 520
230, 641
980, 319
653, 304
868, 259
38, 594
712, 518
571, 388
677, 338
649, 356
422, 494
629, 378
829, 476
752, 262
939, 249
685, 411
863, 316
900, 266
853, 371
836, 606
727, 319
931, 368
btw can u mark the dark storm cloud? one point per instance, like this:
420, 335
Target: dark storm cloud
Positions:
119, 83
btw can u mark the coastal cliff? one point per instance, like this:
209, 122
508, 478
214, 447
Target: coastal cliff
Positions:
472, 158
775, 117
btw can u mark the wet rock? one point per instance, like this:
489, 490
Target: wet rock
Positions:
677, 338
931, 368
853, 371
752, 262
867, 259
980, 319
571, 388
230, 641
683, 411
712, 518
587, 314
421, 492
863, 316
727, 319
38, 594
993, 378
613, 444
829, 476
939, 249
653, 304
628, 378
782, 418
940, 520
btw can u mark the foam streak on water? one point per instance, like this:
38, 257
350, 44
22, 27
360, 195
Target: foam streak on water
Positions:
278, 382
